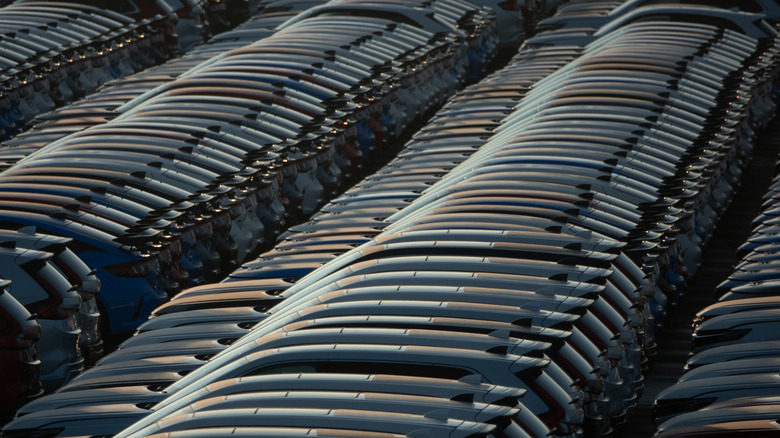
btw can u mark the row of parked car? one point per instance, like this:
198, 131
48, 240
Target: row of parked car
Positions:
191, 22
164, 194
565, 200
54, 53
729, 386
57, 331
101, 106
119, 90
71, 49
50, 316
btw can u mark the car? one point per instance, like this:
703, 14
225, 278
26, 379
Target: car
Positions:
389, 384
696, 394
129, 275
212, 330
193, 315
735, 367
757, 428
77, 419
310, 353
78, 274
739, 327
403, 423
20, 364
45, 292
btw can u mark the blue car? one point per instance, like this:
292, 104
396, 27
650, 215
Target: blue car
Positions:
130, 276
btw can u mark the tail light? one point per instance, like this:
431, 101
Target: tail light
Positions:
62, 300
135, 269
18, 329
90, 287
29, 334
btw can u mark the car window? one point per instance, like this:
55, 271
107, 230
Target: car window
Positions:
689, 18
122, 6
743, 5
384, 15
363, 368
175, 4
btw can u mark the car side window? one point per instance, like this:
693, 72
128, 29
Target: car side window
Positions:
175, 4
283, 369
744, 5
404, 369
